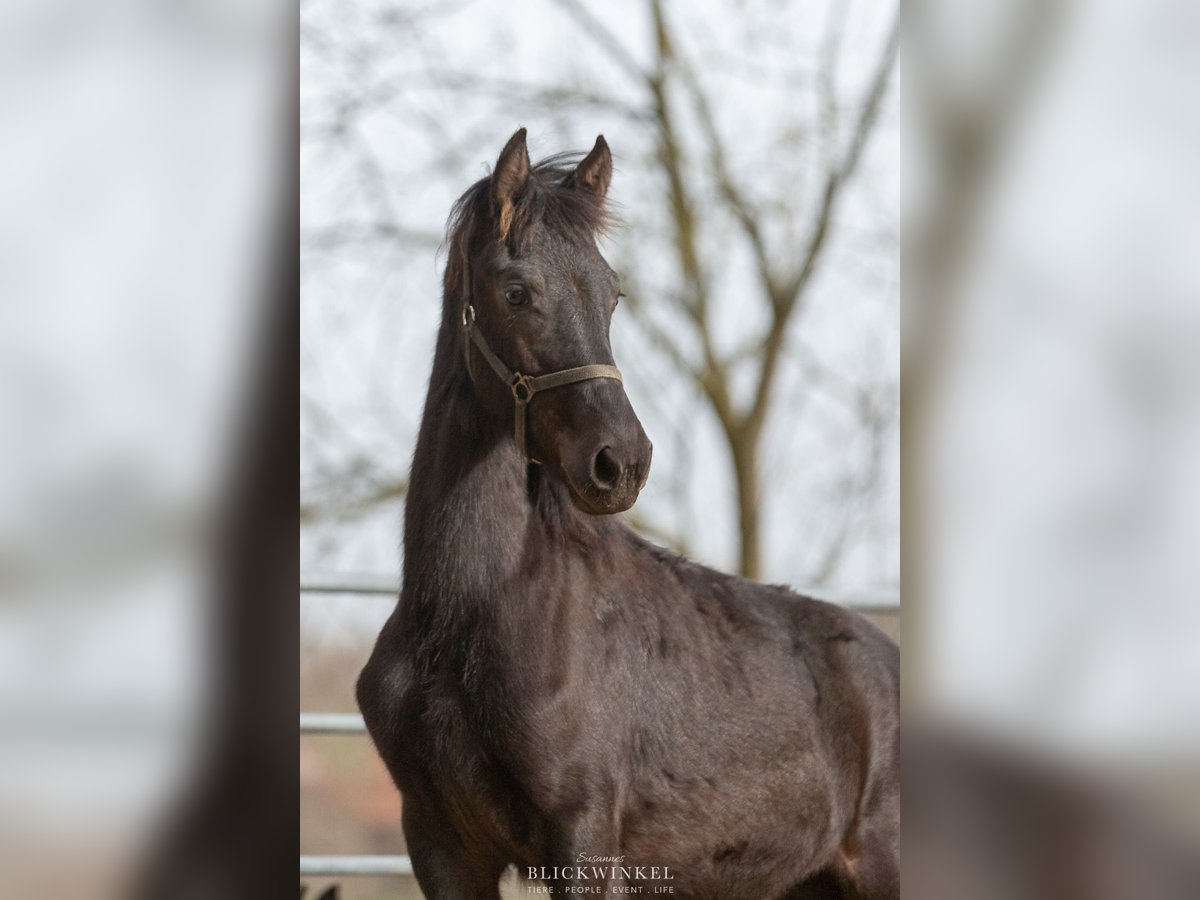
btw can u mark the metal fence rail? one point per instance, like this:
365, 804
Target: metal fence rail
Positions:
348, 583
346, 723
332, 723
877, 601
337, 866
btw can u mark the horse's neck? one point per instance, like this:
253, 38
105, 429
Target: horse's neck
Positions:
471, 516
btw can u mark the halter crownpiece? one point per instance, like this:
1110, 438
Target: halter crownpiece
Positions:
523, 386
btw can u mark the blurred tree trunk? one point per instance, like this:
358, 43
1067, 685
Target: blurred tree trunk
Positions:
744, 449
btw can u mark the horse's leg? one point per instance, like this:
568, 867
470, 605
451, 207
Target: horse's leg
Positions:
588, 835
444, 869
877, 867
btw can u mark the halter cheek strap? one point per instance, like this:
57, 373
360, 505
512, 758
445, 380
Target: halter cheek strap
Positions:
523, 387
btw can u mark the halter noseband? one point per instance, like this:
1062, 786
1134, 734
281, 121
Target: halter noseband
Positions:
523, 387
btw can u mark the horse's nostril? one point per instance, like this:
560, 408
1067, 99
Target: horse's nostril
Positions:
605, 469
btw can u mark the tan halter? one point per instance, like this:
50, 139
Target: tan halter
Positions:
523, 387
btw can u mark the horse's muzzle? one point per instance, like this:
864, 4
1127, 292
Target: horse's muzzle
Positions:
617, 475
593, 438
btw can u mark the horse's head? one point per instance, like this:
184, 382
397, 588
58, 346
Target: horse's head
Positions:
539, 297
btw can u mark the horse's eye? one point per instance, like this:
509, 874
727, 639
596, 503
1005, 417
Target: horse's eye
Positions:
515, 294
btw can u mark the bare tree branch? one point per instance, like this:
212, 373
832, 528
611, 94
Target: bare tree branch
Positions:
789, 298
745, 215
341, 502
838, 178
334, 237
604, 38
826, 80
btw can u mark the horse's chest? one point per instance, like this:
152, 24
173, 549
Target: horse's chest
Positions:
439, 717
460, 754
466, 728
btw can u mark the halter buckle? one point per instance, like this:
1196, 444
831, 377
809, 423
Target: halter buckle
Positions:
468, 308
522, 389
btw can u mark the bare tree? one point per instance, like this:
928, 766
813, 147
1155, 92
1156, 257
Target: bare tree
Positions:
783, 283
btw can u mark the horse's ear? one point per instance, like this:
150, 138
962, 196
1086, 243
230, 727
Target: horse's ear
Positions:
595, 171
509, 178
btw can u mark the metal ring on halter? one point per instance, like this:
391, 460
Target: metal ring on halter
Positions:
522, 388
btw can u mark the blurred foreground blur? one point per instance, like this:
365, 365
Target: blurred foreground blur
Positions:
140, 179
1052, 433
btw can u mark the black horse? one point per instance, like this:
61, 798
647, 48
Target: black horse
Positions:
552, 691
